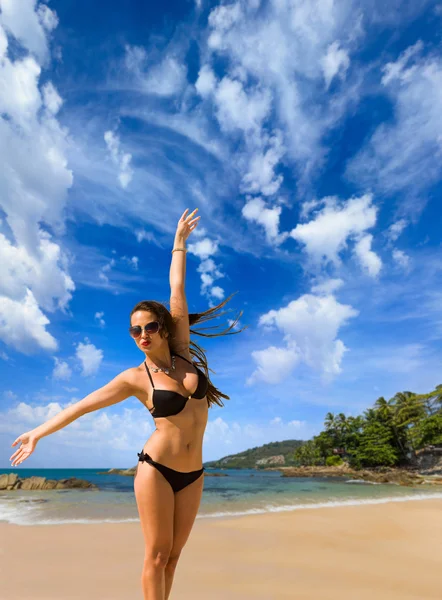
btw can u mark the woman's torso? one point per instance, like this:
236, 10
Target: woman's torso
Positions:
177, 440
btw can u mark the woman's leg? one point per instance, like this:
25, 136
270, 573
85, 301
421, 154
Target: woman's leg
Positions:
187, 502
155, 502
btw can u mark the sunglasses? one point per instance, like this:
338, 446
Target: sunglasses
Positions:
137, 330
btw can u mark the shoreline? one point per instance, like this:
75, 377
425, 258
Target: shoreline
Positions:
387, 551
432, 495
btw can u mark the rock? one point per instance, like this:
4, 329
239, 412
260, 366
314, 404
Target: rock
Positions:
8, 481
385, 475
271, 460
129, 472
12, 482
215, 474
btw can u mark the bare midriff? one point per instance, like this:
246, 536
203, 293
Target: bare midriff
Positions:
177, 441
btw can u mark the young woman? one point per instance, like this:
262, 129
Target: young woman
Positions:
169, 478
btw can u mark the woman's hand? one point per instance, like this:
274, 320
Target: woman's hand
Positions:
186, 225
28, 443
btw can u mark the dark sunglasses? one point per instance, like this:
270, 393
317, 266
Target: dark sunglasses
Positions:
137, 330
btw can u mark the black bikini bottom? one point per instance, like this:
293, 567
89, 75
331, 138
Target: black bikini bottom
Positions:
177, 479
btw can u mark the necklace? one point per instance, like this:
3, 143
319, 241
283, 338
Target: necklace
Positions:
166, 370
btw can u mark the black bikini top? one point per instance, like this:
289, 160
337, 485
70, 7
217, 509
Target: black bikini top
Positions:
167, 402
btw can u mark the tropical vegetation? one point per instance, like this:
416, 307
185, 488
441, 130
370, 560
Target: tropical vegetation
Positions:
388, 434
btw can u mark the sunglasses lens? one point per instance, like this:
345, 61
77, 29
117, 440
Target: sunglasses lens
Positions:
135, 331
152, 327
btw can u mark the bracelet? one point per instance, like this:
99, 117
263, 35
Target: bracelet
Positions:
175, 249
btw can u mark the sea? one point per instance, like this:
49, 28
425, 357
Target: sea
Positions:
240, 492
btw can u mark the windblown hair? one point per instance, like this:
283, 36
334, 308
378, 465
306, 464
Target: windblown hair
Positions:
168, 322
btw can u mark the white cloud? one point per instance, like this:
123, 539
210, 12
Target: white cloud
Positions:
256, 211
206, 82
402, 259
328, 286
61, 370
203, 248
327, 234
238, 109
52, 99
335, 62
310, 326
105, 437
369, 260
261, 177
90, 358
99, 317
23, 325
33, 269
28, 25
405, 154
120, 159
166, 78
396, 228
223, 438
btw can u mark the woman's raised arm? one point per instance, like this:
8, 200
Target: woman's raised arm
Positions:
113, 392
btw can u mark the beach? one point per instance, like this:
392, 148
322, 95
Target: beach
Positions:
386, 551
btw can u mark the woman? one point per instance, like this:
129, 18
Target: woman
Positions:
168, 481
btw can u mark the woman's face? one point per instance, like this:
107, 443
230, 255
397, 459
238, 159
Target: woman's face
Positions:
147, 342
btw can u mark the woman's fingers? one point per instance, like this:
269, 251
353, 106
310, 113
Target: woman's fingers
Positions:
182, 216
20, 458
191, 215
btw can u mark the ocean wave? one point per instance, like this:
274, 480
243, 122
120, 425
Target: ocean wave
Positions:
329, 504
30, 514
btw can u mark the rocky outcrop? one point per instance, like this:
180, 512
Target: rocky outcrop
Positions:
384, 475
429, 460
11, 482
128, 472
271, 460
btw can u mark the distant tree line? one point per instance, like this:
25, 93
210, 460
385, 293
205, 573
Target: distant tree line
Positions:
388, 434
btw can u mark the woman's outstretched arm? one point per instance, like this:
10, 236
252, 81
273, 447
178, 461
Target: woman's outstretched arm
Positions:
178, 302
115, 391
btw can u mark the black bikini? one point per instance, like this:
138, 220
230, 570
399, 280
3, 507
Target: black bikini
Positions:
165, 404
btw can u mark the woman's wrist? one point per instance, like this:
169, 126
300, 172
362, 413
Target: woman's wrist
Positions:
179, 242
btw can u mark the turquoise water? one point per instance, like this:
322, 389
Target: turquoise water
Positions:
241, 492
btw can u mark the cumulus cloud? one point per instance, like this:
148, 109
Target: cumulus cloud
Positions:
105, 437
255, 210
310, 326
205, 248
369, 260
34, 268
61, 370
90, 357
328, 232
223, 437
29, 24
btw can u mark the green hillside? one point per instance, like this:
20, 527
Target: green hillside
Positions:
248, 458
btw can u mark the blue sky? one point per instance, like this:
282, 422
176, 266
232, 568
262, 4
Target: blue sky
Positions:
309, 134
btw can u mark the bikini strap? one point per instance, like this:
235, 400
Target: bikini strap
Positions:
189, 361
150, 376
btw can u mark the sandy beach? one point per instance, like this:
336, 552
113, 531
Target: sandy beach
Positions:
385, 552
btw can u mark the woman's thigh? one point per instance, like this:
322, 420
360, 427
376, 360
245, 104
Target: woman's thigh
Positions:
156, 503
187, 502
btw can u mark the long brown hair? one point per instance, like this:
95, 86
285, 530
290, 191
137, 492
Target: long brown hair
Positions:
167, 322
